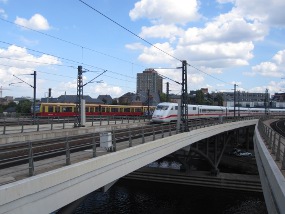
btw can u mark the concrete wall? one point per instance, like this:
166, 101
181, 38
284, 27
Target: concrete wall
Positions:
272, 180
52, 190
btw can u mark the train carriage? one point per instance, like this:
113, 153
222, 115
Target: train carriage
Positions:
166, 112
70, 110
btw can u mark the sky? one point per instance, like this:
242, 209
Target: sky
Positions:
224, 42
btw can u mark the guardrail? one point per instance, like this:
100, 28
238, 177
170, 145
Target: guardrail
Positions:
20, 125
274, 141
31, 151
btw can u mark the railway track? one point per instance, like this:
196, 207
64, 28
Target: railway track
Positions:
279, 126
59, 120
14, 154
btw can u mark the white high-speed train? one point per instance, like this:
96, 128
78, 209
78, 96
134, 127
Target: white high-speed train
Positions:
166, 112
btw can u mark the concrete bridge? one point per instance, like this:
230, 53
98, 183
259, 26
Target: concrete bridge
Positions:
49, 191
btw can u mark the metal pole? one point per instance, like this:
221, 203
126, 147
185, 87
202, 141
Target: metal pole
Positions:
31, 160
4, 129
278, 149
153, 132
94, 145
148, 112
38, 125
184, 99
114, 141
35, 88
67, 147
130, 138
143, 140
234, 101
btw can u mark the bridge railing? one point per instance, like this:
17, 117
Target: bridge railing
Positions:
72, 149
275, 142
21, 125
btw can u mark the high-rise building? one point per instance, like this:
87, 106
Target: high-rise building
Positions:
149, 79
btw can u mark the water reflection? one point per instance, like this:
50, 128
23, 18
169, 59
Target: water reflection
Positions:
165, 164
128, 197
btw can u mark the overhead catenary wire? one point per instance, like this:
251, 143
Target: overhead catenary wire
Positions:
107, 17
71, 43
208, 74
82, 47
71, 66
152, 45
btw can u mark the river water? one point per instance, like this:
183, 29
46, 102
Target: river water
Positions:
150, 197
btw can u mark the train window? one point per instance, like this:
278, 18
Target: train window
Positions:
114, 110
97, 109
67, 109
138, 110
86, 109
176, 108
103, 109
57, 109
50, 109
127, 109
162, 107
91, 109
194, 108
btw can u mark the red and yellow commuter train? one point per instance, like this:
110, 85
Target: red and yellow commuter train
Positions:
70, 110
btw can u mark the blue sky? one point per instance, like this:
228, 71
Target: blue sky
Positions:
226, 42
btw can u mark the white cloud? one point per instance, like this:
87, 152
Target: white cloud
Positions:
217, 55
17, 61
225, 1
161, 31
195, 79
166, 11
279, 58
19, 57
270, 12
267, 69
274, 68
36, 22
3, 14
104, 88
272, 86
135, 46
230, 27
153, 55
224, 42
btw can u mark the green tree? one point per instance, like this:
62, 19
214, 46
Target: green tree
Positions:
220, 99
11, 104
2, 107
199, 97
163, 97
209, 100
24, 107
